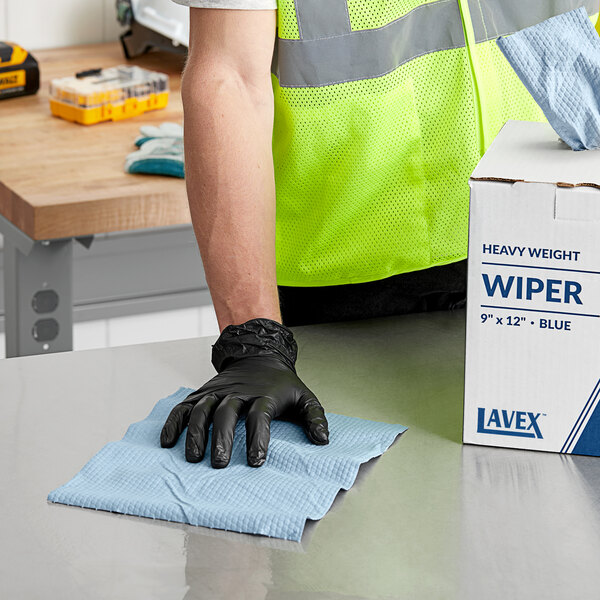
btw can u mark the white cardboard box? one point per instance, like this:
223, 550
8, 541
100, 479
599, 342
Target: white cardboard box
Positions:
532, 376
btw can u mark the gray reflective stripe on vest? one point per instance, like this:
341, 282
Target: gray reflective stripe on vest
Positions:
322, 18
368, 53
493, 18
328, 54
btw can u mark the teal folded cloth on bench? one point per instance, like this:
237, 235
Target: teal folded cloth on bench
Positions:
160, 151
299, 480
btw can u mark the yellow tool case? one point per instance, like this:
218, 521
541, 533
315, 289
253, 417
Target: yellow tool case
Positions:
108, 94
19, 72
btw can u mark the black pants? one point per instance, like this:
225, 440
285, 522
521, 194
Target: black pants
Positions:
437, 288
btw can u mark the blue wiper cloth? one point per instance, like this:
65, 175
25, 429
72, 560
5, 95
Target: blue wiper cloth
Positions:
298, 481
558, 61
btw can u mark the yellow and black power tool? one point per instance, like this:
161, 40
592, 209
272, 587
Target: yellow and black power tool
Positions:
19, 72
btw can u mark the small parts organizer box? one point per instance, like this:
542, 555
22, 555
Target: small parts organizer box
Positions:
108, 94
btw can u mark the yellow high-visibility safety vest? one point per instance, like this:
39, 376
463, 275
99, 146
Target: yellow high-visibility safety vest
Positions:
382, 110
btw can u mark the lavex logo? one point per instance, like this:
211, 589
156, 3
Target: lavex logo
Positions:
503, 422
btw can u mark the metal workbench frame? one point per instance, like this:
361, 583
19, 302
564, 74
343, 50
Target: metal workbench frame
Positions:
86, 283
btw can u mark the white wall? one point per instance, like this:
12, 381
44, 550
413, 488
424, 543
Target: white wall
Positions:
141, 329
36, 24
3, 19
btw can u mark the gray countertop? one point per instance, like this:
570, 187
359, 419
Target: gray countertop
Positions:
430, 519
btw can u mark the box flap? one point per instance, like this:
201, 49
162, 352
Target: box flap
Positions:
530, 151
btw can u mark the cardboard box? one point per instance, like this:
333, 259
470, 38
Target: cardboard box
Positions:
532, 375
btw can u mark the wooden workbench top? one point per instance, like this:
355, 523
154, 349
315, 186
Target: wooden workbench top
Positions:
61, 179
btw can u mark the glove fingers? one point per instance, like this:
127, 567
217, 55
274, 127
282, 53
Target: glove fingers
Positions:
199, 422
258, 430
176, 422
312, 416
225, 419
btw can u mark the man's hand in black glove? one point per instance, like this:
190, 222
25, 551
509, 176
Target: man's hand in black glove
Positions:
255, 362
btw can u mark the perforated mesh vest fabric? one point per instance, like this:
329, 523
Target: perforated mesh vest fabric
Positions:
368, 14
372, 174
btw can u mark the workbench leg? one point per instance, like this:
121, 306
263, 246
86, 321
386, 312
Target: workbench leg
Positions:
38, 291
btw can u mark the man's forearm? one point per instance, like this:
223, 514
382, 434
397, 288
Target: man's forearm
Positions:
229, 173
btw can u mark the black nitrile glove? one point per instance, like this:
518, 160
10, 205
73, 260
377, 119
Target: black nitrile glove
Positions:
256, 377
